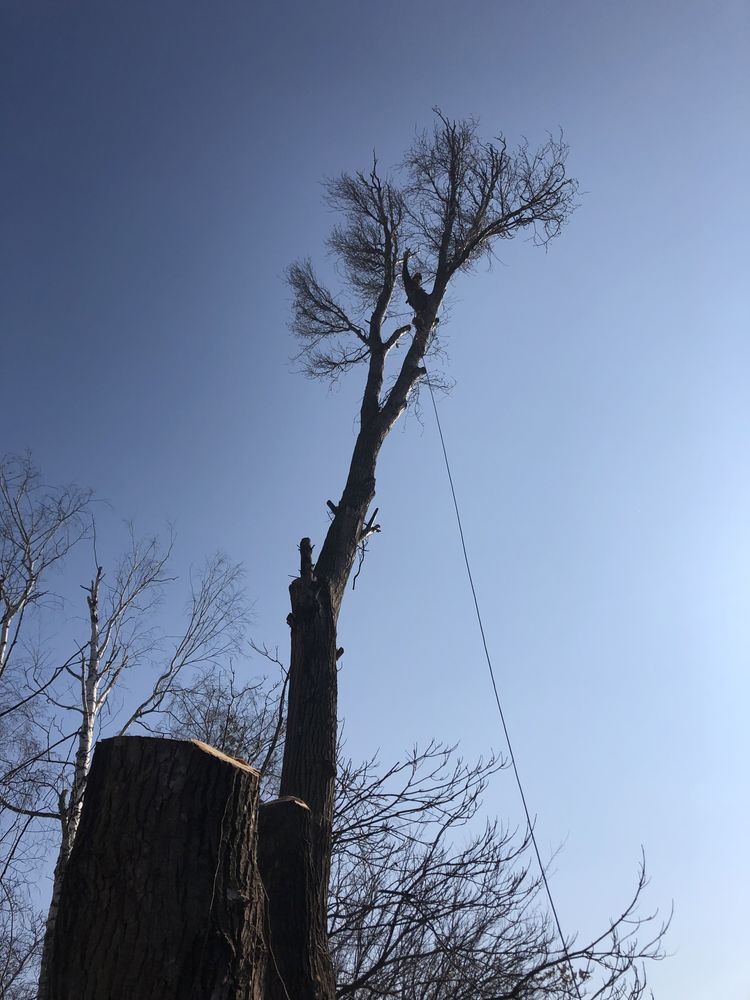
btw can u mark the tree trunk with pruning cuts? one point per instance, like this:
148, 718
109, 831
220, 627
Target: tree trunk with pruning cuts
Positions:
309, 768
460, 196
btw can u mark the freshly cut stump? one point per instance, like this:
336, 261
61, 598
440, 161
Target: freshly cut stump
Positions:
299, 966
161, 899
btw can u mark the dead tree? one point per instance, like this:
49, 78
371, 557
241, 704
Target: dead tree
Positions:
456, 197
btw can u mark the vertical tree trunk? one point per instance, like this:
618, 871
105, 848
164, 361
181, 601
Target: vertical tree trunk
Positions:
70, 813
70, 819
309, 768
63, 855
160, 897
298, 963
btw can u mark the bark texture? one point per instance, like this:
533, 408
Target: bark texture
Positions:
309, 768
298, 963
161, 897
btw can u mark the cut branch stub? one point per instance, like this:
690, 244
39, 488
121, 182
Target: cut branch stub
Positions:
305, 559
370, 528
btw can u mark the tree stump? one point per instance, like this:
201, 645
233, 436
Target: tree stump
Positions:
298, 964
161, 897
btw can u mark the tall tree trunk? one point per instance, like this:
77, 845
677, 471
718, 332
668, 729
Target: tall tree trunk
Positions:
70, 819
309, 768
161, 899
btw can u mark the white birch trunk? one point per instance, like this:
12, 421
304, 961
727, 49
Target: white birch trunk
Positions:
4, 633
70, 811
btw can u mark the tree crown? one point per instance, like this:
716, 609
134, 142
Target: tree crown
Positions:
452, 198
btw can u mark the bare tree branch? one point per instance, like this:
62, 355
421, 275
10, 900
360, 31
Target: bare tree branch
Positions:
215, 628
425, 901
39, 525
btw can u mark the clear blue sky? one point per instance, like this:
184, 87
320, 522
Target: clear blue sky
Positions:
161, 167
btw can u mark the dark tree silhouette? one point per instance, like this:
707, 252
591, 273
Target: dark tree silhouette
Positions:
454, 198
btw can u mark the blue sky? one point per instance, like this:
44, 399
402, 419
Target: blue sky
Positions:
162, 166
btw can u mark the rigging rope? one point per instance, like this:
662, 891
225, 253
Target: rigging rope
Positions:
497, 697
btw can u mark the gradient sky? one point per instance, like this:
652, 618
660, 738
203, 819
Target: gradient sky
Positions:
161, 166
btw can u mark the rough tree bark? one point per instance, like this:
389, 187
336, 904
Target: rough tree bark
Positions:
309, 768
297, 962
161, 899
